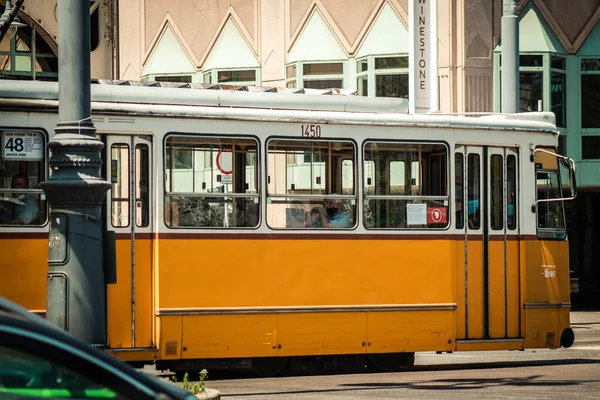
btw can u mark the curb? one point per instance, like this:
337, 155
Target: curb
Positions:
209, 394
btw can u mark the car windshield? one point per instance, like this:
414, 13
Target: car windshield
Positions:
23, 376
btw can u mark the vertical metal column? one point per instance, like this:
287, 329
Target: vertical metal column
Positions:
510, 57
76, 299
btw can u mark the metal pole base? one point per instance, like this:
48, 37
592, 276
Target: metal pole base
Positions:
76, 299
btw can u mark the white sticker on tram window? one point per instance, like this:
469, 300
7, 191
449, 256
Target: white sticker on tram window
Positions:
23, 146
227, 179
416, 214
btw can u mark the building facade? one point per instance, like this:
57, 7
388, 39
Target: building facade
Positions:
357, 45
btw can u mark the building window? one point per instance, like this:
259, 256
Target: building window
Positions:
94, 24
590, 93
28, 56
382, 76
315, 75
174, 78
590, 104
231, 76
531, 81
542, 84
558, 90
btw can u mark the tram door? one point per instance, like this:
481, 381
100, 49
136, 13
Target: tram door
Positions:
489, 214
128, 213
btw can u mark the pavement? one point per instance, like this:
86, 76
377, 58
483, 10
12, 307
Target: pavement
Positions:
585, 324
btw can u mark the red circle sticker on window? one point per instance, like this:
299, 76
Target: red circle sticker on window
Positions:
225, 162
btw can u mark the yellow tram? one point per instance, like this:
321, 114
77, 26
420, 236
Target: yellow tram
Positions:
454, 236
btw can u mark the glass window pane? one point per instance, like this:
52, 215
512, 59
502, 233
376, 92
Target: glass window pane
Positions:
530, 91
22, 170
590, 64
405, 169
362, 66
562, 144
27, 375
590, 147
590, 101
142, 185
549, 214
237, 76
530, 60
323, 84
119, 174
391, 85
459, 182
174, 78
511, 188
321, 168
558, 97
363, 86
212, 168
290, 71
558, 62
496, 192
23, 40
391, 62
473, 189
323, 69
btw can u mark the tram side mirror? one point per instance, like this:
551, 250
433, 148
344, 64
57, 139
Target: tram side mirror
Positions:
569, 165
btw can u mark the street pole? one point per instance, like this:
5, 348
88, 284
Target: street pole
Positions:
10, 15
76, 298
510, 57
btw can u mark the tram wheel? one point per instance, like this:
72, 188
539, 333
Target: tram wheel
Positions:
392, 362
267, 367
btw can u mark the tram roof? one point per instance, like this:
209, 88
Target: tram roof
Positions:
211, 95
136, 96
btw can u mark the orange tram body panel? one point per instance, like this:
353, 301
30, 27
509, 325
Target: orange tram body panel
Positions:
452, 238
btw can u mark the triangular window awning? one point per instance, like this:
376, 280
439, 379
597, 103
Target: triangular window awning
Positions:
230, 50
388, 35
534, 35
168, 57
316, 42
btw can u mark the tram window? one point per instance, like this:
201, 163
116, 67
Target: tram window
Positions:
119, 175
410, 188
496, 192
511, 188
473, 188
320, 177
459, 182
142, 185
22, 168
550, 214
211, 182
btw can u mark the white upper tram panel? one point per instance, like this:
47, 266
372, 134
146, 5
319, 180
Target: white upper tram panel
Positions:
241, 102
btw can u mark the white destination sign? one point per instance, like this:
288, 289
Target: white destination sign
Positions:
23, 145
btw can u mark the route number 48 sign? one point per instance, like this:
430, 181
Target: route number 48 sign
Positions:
22, 146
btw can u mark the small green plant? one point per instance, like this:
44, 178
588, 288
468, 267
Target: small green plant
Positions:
192, 387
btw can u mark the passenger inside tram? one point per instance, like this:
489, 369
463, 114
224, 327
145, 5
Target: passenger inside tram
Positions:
19, 208
330, 216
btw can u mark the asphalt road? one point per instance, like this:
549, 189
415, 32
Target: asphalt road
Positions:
531, 374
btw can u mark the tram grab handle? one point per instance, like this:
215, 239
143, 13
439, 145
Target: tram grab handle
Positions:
110, 257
